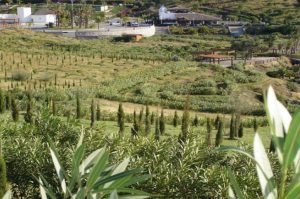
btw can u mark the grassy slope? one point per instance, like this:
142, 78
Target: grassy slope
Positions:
137, 67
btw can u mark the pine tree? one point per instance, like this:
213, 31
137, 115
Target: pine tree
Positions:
98, 113
196, 121
3, 178
135, 127
219, 136
162, 126
78, 107
92, 114
231, 130
241, 130
157, 132
28, 117
152, 118
175, 119
2, 102
255, 125
208, 130
147, 121
7, 101
121, 120
14, 110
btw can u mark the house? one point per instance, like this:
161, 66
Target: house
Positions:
43, 16
236, 31
185, 17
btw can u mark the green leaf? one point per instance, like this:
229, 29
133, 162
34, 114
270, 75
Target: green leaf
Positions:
235, 185
294, 192
97, 169
292, 143
264, 171
80, 141
42, 190
114, 195
80, 194
75, 175
8, 195
231, 193
115, 177
279, 120
120, 168
58, 169
131, 191
91, 160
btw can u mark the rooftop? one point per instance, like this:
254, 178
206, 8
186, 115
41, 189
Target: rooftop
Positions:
197, 17
44, 11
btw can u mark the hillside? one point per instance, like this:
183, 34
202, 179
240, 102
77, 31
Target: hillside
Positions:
157, 71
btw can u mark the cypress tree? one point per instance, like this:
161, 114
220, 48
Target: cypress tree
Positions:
272, 147
175, 119
208, 130
196, 121
92, 114
121, 120
237, 125
152, 118
7, 101
185, 124
3, 178
255, 125
162, 126
135, 127
157, 132
98, 113
28, 117
141, 121
53, 107
219, 136
241, 130
78, 107
14, 110
147, 121
2, 102
217, 120
231, 130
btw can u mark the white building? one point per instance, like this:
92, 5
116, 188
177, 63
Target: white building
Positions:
43, 17
24, 16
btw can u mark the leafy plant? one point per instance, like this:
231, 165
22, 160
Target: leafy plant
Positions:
92, 177
285, 132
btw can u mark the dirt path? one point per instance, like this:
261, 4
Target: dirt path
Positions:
112, 106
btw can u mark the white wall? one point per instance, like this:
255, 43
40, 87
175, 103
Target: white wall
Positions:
8, 16
43, 19
103, 8
24, 14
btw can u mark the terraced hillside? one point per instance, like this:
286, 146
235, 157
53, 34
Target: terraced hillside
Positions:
157, 71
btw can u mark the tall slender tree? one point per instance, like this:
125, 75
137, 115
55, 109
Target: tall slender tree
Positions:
185, 124
241, 130
2, 102
14, 110
231, 130
121, 120
98, 113
147, 121
135, 127
53, 107
28, 117
208, 130
196, 121
7, 101
157, 132
255, 125
219, 136
152, 118
92, 113
162, 125
175, 119
78, 107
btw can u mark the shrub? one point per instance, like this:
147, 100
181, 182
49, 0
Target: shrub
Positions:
20, 76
